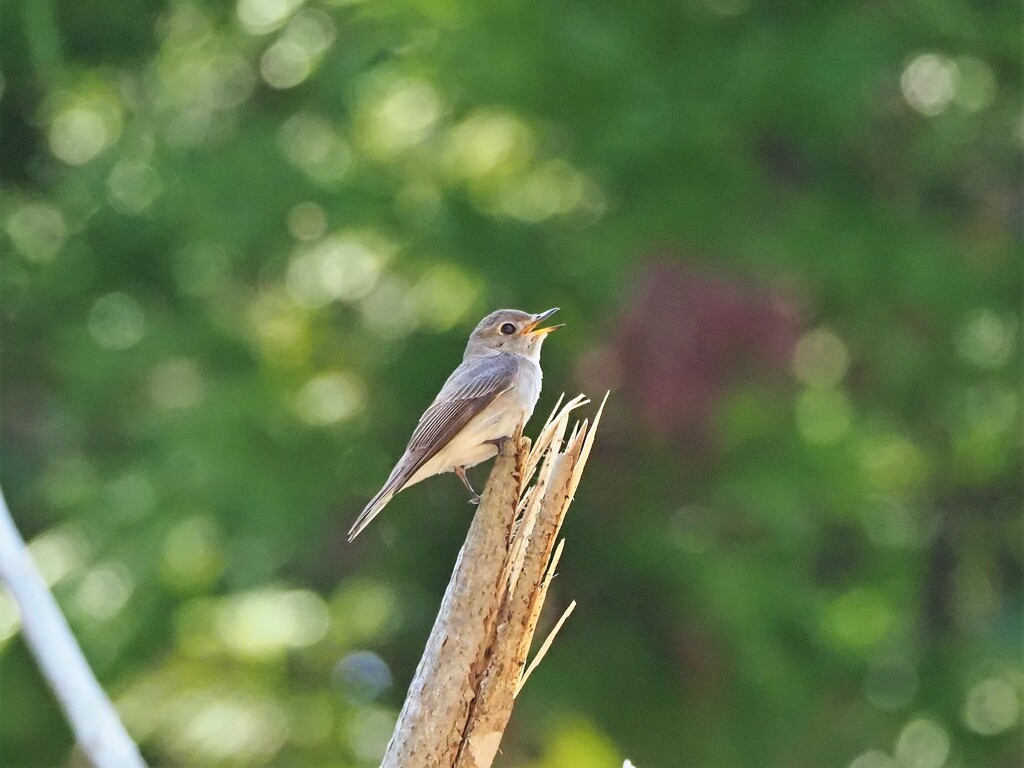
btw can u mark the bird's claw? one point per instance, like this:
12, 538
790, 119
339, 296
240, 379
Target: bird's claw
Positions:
500, 443
474, 497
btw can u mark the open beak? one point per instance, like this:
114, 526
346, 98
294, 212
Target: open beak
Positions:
533, 330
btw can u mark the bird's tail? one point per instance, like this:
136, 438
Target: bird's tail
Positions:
377, 503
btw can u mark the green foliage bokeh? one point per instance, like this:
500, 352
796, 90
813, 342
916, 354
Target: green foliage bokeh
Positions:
242, 246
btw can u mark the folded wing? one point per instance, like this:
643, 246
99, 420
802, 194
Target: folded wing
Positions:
469, 390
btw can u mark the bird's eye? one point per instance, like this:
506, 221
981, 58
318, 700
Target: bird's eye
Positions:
508, 329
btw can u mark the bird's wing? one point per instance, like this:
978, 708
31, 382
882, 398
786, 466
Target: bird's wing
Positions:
469, 390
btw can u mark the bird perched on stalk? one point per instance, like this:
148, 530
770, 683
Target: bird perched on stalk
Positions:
493, 390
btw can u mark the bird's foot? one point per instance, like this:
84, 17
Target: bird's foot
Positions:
501, 443
474, 497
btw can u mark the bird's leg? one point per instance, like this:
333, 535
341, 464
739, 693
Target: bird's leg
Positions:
499, 443
474, 497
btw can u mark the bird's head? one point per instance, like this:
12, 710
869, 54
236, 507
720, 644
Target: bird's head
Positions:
511, 331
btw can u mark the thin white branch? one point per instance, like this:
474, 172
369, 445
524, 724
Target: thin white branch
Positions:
94, 721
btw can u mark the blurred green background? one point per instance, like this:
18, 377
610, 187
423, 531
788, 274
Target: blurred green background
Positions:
244, 243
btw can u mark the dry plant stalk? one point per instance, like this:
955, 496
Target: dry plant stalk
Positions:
462, 694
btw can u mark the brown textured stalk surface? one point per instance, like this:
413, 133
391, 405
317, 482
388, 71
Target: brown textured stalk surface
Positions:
431, 723
462, 694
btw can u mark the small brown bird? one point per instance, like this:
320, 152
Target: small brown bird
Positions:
493, 390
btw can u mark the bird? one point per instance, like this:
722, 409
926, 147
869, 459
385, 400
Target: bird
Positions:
492, 391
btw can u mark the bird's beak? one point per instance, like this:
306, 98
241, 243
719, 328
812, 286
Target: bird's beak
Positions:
533, 330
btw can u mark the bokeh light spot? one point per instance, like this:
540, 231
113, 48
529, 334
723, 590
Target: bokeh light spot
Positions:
311, 30
488, 142
37, 230
389, 312
396, 114
873, 758
10, 615
343, 267
820, 359
176, 384
580, 745
192, 554
859, 619
443, 296
258, 17
59, 552
368, 732
265, 623
986, 340
104, 591
282, 328
116, 321
975, 84
922, 744
233, 730
928, 83
285, 64
363, 676
823, 416
554, 188
330, 398
992, 707
78, 134
201, 77
133, 186
313, 146
894, 466
984, 431
363, 611
307, 221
